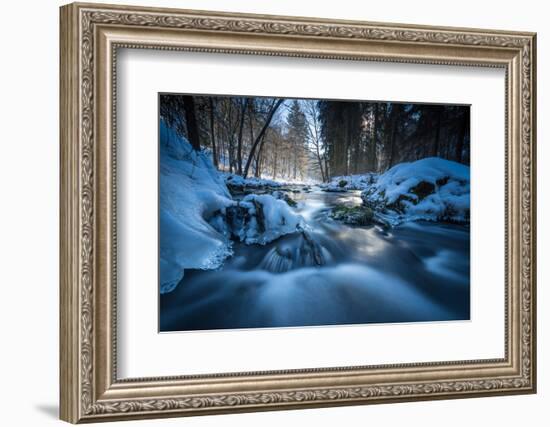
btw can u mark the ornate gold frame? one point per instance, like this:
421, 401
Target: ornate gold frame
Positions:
90, 36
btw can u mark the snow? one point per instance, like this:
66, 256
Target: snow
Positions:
278, 219
252, 182
194, 201
349, 182
258, 219
190, 191
432, 189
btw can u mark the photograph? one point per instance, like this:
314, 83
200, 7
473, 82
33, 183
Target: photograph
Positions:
282, 212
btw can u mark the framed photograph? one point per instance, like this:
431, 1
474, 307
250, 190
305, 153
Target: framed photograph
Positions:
267, 212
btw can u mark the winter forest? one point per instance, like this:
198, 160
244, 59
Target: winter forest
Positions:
293, 139
277, 212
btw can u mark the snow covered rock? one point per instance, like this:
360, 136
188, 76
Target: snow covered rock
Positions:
429, 189
258, 219
238, 183
353, 215
282, 195
190, 191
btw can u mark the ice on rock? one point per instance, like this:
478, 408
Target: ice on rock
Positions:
258, 219
272, 218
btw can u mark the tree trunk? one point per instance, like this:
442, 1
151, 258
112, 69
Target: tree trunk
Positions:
213, 133
392, 135
435, 151
191, 122
275, 164
357, 155
295, 159
348, 146
260, 136
373, 161
221, 147
320, 161
230, 141
240, 140
392, 146
251, 120
259, 157
461, 137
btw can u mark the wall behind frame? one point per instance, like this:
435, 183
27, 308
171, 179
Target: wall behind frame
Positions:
29, 174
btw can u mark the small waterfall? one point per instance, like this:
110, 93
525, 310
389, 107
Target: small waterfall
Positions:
277, 260
303, 250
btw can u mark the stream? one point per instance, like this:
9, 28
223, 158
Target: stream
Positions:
417, 271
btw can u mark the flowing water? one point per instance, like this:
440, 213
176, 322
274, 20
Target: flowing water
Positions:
332, 274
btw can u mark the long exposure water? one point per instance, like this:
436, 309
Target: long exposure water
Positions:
418, 271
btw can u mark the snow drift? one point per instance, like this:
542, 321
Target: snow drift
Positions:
431, 189
190, 190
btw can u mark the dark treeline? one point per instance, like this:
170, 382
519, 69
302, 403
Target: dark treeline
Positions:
298, 139
363, 137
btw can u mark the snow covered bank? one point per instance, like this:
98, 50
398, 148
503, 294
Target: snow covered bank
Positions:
431, 189
349, 182
238, 181
238, 184
190, 190
198, 217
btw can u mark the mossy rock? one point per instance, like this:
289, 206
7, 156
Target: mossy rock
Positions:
342, 183
354, 215
281, 195
290, 202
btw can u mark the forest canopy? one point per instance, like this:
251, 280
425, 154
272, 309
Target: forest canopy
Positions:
305, 139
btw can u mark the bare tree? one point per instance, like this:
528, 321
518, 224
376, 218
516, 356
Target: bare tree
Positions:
191, 121
274, 107
314, 135
212, 131
244, 104
323, 138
